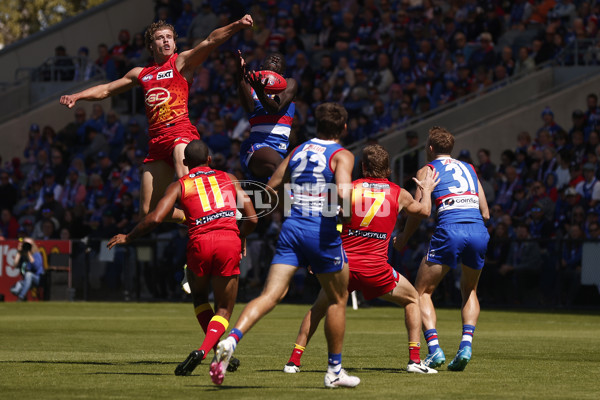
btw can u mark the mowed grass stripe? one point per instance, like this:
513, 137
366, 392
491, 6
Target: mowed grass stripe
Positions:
57, 350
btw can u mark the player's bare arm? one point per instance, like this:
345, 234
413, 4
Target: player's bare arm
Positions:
412, 222
100, 92
244, 88
189, 60
342, 164
483, 205
153, 219
275, 103
280, 176
250, 220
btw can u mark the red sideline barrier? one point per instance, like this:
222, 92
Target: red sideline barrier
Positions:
8, 255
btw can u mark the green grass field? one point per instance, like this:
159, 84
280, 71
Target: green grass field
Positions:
56, 350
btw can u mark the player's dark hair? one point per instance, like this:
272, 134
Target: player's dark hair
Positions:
376, 162
157, 26
441, 140
195, 153
282, 63
331, 120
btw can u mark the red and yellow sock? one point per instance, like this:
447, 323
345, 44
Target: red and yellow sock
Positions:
296, 354
204, 314
217, 326
414, 351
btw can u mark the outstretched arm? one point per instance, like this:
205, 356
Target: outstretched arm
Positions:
151, 220
422, 208
100, 92
189, 60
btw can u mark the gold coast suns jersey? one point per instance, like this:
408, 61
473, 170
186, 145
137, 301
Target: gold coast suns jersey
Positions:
166, 94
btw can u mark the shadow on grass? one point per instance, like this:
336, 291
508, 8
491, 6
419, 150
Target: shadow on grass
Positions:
90, 362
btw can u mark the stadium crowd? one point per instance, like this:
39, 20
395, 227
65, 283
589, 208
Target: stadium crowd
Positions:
387, 62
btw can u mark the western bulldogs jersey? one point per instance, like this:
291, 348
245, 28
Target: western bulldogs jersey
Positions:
166, 94
374, 212
311, 183
273, 129
208, 199
457, 195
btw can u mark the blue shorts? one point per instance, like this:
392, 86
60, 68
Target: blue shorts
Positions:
256, 141
454, 243
303, 247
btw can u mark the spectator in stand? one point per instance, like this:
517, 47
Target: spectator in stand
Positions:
525, 62
549, 124
589, 188
592, 114
183, 23
50, 186
563, 172
97, 143
35, 143
487, 169
74, 191
579, 148
202, 25
119, 52
68, 135
508, 183
84, 67
106, 62
9, 194
114, 133
9, 226
63, 66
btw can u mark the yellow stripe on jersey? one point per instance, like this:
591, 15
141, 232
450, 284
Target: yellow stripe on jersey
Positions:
216, 191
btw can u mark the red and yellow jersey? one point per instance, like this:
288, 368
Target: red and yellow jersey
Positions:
208, 199
374, 211
166, 94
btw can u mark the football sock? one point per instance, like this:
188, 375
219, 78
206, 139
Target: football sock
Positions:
236, 334
414, 350
204, 314
432, 340
296, 354
467, 336
334, 362
217, 326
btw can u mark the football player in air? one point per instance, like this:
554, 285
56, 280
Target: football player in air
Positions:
270, 117
460, 236
376, 203
165, 84
319, 172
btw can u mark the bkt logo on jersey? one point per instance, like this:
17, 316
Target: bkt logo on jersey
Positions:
157, 96
164, 75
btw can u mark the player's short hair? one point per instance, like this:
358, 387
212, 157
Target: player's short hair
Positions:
376, 162
441, 140
153, 28
331, 120
195, 153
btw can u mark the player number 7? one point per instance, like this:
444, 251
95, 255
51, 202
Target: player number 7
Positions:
379, 199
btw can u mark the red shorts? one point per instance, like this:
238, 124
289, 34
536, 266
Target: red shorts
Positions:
215, 253
160, 147
372, 281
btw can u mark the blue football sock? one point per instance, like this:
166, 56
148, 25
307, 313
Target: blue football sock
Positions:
431, 337
467, 336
